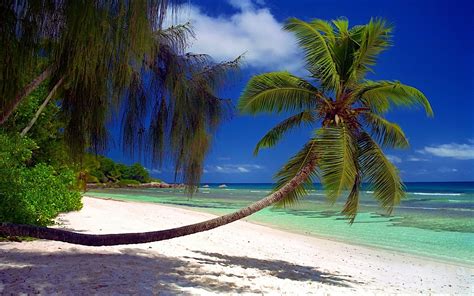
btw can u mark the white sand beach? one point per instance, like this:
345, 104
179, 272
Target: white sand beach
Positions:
240, 258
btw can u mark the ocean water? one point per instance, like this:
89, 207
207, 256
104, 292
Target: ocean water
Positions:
435, 220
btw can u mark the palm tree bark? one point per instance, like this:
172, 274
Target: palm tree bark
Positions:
41, 108
9, 229
9, 108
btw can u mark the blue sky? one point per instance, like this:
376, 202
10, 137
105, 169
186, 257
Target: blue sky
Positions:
433, 50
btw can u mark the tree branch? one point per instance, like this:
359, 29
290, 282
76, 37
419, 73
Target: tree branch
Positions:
9, 108
41, 108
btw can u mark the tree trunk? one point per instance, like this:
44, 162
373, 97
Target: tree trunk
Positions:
41, 108
153, 236
9, 108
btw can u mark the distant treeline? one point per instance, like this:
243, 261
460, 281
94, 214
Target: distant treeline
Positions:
100, 169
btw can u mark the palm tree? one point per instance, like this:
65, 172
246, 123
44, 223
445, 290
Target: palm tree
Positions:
345, 109
344, 149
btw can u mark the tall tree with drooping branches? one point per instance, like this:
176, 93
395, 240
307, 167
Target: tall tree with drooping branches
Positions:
109, 57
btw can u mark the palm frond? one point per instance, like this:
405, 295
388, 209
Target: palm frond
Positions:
380, 95
380, 173
326, 28
344, 52
336, 158
342, 25
387, 133
276, 133
372, 38
277, 92
352, 203
306, 155
318, 52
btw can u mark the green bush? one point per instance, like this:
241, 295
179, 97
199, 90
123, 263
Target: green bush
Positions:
92, 179
136, 172
108, 171
128, 182
36, 194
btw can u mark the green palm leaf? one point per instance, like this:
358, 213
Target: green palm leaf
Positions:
388, 134
326, 28
318, 51
336, 160
306, 155
342, 26
352, 203
276, 133
380, 173
380, 95
277, 92
373, 38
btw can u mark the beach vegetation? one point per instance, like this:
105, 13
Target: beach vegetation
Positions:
345, 109
101, 169
126, 182
33, 193
115, 60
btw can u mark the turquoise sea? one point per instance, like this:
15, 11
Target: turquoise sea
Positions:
435, 220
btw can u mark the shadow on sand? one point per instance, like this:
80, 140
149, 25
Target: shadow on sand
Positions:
139, 271
277, 268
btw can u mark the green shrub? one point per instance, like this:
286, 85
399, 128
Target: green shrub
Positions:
32, 195
136, 172
92, 179
124, 182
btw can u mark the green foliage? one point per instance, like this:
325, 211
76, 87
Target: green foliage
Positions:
338, 58
101, 51
306, 155
92, 179
316, 38
15, 151
277, 92
101, 169
32, 194
379, 96
276, 133
380, 173
336, 156
136, 172
387, 133
124, 182
46, 132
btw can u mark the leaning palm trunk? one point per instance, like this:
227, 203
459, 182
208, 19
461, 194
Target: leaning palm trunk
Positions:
41, 108
153, 236
9, 108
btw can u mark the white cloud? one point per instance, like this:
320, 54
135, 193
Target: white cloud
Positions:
453, 150
243, 4
416, 159
394, 159
421, 172
251, 29
242, 169
154, 171
233, 168
447, 170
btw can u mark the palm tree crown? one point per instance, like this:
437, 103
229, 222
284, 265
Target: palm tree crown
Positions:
346, 110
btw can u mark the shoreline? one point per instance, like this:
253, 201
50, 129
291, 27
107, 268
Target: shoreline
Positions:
239, 258
451, 261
